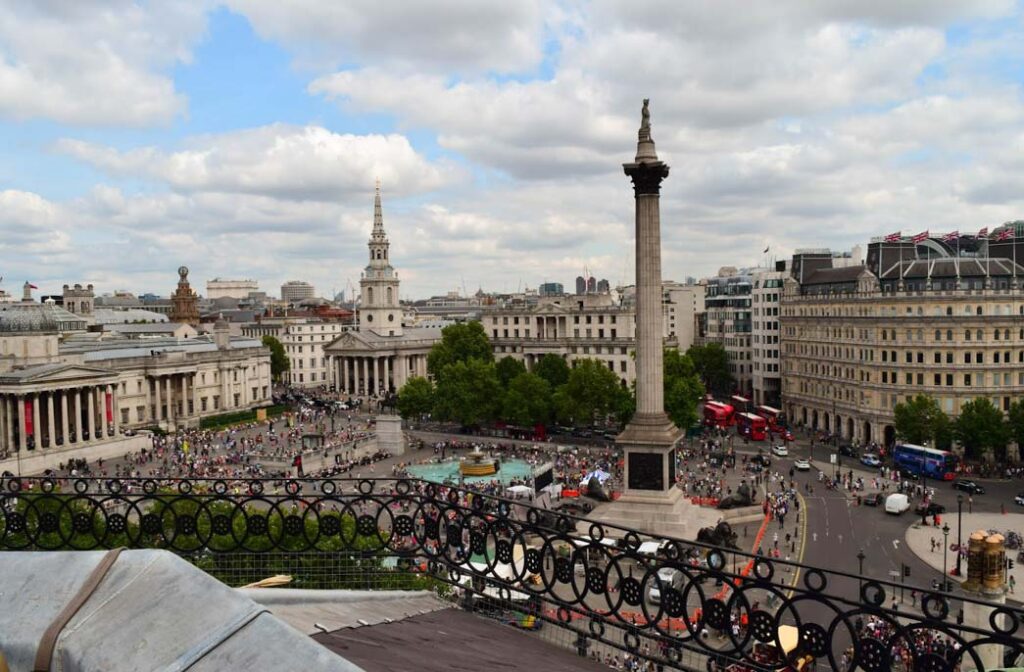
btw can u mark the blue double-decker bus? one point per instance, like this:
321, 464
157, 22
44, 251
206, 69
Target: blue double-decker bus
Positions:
928, 462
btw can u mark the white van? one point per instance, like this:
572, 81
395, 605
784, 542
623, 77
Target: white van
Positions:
897, 503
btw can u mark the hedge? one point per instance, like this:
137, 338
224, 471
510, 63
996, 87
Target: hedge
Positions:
237, 418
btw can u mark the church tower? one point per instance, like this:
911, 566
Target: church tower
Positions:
379, 308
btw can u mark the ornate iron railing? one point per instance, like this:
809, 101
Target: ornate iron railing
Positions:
679, 603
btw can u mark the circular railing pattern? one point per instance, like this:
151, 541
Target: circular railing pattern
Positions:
480, 542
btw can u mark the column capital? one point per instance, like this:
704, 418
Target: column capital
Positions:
646, 176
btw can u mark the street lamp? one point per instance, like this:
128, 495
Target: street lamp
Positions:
860, 561
945, 546
959, 524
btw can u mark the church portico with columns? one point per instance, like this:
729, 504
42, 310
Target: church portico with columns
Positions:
367, 363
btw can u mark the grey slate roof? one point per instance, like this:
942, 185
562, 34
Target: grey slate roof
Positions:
152, 611
336, 609
452, 640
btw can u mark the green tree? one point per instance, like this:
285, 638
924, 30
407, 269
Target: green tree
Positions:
1015, 424
553, 369
711, 363
509, 368
459, 343
980, 427
683, 389
591, 393
528, 400
468, 392
279, 363
917, 420
416, 397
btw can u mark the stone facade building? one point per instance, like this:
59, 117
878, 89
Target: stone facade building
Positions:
858, 340
67, 393
579, 326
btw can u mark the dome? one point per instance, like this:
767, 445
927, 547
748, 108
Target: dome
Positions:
37, 317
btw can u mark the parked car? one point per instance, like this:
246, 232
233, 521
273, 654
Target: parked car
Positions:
847, 451
666, 578
930, 510
802, 465
870, 460
897, 503
968, 486
1019, 499
780, 451
872, 499
762, 460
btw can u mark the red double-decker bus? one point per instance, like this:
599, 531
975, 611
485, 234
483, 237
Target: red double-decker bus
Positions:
740, 403
717, 414
776, 418
754, 427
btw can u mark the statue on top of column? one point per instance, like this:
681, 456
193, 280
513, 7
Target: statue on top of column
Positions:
645, 121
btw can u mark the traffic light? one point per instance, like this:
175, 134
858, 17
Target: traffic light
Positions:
1009, 564
906, 571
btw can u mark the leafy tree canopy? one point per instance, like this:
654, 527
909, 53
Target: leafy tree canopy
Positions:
980, 427
468, 392
528, 400
416, 398
509, 368
919, 419
711, 363
683, 389
553, 369
591, 393
279, 363
459, 343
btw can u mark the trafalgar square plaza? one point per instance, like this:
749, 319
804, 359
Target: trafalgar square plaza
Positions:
772, 427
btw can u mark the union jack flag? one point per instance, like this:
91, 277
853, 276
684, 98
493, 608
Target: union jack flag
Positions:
893, 237
983, 232
950, 237
921, 237
1005, 234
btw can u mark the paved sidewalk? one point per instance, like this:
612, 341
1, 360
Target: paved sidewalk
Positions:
919, 538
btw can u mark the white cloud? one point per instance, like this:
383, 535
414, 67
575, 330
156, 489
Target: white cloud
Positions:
450, 35
282, 161
95, 62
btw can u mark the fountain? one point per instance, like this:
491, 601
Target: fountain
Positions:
476, 463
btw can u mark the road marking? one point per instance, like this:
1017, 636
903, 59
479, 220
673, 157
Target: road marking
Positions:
896, 544
803, 543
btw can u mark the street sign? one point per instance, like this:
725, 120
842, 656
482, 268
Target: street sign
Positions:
832, 460
894, 573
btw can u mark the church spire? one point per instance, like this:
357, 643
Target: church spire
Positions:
378, 216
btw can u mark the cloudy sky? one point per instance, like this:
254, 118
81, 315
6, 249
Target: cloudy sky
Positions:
243, 137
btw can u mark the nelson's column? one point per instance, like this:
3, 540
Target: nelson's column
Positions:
650, 501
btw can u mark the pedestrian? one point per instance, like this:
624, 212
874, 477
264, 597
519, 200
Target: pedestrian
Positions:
1013, 583
913, 597
933, 544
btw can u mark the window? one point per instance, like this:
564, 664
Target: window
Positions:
949, 379
910, 379
949, 358
938, 379
967, 358
938, 358
967, 380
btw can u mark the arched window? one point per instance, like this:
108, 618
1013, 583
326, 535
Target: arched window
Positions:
391, 300
949, 334
981, 335
949, 310
938, 335
979, 310
967, 334
369, 295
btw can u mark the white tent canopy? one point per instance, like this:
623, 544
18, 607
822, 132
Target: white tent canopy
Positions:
599, 474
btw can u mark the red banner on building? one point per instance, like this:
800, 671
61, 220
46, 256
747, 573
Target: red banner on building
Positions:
29, 426
110, 408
